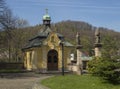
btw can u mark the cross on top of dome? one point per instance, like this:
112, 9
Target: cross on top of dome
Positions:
46, 16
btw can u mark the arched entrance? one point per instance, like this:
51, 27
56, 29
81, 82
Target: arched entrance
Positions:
52, 60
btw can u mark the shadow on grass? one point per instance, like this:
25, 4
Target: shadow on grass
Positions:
106, 81
112, 82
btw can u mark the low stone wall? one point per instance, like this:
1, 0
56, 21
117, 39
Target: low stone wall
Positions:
11, 66
74, 68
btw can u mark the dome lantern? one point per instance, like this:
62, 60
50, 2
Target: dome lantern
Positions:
46, 16
46, 19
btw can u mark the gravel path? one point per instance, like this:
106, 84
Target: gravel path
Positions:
22, 81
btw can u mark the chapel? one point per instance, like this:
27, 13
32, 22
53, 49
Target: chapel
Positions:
47, 50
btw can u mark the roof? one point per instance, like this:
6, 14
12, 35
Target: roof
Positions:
44, 32
34, 43
86, 58
67, 44
37, 40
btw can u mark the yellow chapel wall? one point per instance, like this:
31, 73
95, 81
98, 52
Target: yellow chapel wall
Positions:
33, 59
38, 58
39, 54
27, 60
43, 58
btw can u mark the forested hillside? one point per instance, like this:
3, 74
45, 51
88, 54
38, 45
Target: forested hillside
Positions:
109, 38
20, 36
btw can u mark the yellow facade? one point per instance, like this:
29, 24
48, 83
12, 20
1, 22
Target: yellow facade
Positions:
36, 58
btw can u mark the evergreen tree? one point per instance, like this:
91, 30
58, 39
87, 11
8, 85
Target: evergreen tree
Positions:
107, 66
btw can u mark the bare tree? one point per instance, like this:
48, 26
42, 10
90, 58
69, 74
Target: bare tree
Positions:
18, 38
2, 6
8, 23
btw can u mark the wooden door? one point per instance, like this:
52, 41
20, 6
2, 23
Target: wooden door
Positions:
52, 61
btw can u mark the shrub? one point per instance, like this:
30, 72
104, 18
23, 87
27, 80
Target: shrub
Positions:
106, 67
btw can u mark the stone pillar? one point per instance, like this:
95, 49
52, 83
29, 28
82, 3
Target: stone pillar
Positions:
98, 50
79, 54
97, 44
79, 61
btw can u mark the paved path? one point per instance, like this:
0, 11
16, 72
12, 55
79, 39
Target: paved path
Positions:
22, 81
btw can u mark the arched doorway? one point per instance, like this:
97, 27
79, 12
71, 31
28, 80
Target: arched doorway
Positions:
52, 60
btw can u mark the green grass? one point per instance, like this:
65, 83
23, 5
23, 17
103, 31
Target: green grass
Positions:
77, 82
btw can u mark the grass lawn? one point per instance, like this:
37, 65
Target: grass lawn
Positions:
77, 82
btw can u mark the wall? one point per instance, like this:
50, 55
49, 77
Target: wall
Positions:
11, 66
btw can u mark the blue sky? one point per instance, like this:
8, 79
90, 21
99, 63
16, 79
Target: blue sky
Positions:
99, 13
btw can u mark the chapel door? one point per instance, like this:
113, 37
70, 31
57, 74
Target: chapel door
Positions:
52, 61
